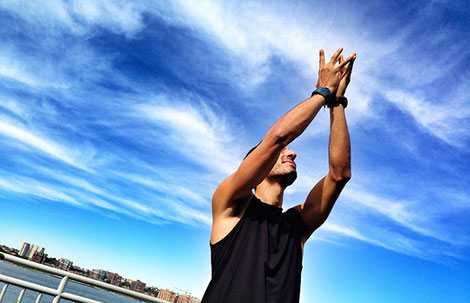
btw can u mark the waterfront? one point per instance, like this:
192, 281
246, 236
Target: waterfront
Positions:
52, 282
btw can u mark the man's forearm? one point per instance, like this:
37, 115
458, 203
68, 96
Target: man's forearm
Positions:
292, 124
339, 146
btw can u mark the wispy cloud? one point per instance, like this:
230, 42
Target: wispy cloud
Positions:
446, 121
150, 207
167, 188
31, 187
195, 131
16, 72
79, 17
413, 215
40, 143
336, 233
297, 40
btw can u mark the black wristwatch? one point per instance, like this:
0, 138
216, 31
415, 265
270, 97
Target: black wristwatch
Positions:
341, 100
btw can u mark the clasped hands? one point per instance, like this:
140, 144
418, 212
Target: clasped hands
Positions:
335, 74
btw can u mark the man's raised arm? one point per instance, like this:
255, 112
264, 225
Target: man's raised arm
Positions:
259, 163
323, 196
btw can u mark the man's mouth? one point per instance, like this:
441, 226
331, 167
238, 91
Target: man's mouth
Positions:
290, 162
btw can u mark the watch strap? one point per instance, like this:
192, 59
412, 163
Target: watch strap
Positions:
341, 100
325, 92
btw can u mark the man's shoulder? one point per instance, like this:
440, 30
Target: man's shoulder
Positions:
239, 205
293, 215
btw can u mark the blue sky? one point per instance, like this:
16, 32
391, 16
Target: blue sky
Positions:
118, 119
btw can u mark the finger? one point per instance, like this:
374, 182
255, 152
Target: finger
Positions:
341, 65
322, 58
341, 59
334, 58
350, 66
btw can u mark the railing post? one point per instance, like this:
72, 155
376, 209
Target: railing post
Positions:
20, 297
61, 288
38, 299
4, 290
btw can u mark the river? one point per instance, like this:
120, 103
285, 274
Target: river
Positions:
52, 282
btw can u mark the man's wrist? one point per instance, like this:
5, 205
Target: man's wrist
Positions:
332, 90
339, 101
325, 92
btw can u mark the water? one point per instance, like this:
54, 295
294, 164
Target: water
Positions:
49, 281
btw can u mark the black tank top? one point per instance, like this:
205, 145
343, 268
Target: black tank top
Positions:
260, 260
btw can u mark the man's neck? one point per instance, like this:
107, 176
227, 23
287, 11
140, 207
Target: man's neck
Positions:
270, 192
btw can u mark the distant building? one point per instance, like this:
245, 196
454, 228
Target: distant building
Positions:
24, 251
183, 299
98, 274
28, 250
9, 250
195, 300
151, 291
113, 278
126, 283
39, 256
166, 295
137, 286
52, 262
80, 271
64, 264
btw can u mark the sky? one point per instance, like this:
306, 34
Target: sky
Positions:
118, 120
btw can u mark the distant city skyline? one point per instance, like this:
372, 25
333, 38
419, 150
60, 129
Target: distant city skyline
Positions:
119, 119
29, 251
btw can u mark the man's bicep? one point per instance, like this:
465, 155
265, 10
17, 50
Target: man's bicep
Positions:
319, 203
225, 196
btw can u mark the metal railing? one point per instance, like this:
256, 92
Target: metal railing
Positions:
59, 292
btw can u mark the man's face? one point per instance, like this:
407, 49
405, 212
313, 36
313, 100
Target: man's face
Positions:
285, 169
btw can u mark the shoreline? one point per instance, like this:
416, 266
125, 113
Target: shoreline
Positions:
70, 281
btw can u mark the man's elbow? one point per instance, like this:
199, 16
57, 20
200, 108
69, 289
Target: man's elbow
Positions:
278, 136
341, 176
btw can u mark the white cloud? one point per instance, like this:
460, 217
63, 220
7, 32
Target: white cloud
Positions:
13, 107
79, 17
419, 217
22, 72
167, 188
197, 133
388, 239
38, 142
10, 70
118, 16
332, 228
150, 207
254, 33
444, 121
31, 187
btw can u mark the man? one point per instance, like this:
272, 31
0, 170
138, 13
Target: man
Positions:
256, 249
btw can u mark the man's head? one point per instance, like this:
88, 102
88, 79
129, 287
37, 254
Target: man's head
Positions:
285, 170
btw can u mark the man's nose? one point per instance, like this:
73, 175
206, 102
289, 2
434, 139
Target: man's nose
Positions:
290, 153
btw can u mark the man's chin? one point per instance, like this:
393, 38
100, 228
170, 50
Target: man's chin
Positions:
289, 178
